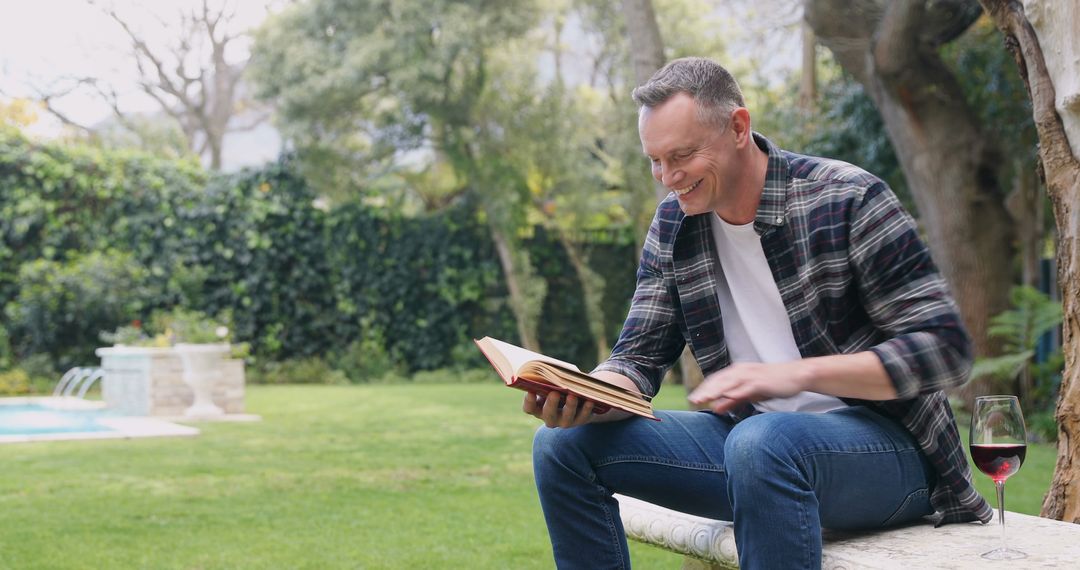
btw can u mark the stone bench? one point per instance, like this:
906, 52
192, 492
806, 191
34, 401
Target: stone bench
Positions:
710, 544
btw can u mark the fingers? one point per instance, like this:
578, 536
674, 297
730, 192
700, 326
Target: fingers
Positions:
724, 390
714, 387
557, 411
529, 406
723, 405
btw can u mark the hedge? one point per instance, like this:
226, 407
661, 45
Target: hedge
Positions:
92, 239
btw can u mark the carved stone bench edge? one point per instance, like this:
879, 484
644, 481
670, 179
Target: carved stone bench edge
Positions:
705, 539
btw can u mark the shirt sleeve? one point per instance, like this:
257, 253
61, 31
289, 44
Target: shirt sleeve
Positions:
906, 297
651, 339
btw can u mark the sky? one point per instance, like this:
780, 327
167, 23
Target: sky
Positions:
44, 41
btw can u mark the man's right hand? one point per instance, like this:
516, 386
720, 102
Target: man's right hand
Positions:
557, 410
574, 411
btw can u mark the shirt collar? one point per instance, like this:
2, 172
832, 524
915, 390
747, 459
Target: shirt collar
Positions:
772, 207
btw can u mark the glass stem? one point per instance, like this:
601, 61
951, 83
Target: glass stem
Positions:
1001, 509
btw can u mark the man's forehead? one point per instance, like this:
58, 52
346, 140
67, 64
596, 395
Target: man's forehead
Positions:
669, 126
679, 107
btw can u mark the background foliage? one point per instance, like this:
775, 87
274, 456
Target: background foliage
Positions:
93, 240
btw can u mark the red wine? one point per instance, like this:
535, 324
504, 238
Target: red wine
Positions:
998, 460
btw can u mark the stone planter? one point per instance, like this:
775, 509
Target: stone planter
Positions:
201, 365
150, 381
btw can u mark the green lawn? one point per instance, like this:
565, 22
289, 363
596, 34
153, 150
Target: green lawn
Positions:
381, 476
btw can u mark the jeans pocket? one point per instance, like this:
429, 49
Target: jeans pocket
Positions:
915, 506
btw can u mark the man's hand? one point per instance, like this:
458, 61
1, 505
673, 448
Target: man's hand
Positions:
557, 410
750, 382
574, 411
860, 375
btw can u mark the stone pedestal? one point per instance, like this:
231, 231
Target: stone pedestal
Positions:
150, 382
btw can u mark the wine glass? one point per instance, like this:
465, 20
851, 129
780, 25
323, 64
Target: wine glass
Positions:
998, 446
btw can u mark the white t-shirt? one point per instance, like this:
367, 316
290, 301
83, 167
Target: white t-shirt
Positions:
756, 324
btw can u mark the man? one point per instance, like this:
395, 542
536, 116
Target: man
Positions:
825, 333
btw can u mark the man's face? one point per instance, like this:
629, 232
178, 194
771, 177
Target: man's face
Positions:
692, 159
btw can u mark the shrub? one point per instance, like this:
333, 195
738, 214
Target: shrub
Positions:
1043, 426
14, 382
454, 376
62, 307
308, 370
42, 370
185, 325
1032, 315
374, 291
367, 359
6, 359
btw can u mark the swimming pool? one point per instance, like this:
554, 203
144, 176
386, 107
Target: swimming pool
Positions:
50, 419
34, 419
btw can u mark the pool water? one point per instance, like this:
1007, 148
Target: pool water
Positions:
35, 419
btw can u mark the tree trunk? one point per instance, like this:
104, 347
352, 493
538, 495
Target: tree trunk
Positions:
1025, 205
808, 73
951, 168
647, 53
215, 147
646, 50
1046, 55
592, 289
525, 309
646, 45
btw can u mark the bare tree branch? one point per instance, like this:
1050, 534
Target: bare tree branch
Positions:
250, 124
191, 78
48, 98
113, 100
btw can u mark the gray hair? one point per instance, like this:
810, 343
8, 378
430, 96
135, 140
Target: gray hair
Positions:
713, 88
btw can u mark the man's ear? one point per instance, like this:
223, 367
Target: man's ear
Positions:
740, 126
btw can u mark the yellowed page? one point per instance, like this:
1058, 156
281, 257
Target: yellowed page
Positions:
516, 356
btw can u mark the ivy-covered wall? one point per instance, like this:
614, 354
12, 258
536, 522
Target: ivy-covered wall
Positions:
91, 240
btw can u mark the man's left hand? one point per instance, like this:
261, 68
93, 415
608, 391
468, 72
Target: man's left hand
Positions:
742, 382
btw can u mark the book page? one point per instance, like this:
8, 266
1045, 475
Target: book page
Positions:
517, 356
530, 371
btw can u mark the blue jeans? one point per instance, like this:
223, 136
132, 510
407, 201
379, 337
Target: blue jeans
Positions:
779, 476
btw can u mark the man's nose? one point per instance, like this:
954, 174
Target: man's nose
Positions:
671, 176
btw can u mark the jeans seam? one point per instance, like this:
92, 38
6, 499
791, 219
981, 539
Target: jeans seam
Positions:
805, 524
656, 461
800, 472
903, 506
614, 532
855, 452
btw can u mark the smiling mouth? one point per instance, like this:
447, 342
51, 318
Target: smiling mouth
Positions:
688, 189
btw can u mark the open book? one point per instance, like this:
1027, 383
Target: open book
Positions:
534, 372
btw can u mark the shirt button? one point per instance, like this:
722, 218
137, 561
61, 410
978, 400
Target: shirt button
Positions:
779, 219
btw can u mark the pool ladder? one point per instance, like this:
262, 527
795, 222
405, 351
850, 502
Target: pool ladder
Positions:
78, 379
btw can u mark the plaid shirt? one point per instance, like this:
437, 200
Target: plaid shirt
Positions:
853, 275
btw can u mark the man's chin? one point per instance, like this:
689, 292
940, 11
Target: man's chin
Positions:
690, 209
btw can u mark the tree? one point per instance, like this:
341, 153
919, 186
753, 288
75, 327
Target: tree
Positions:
370, 83
196, 80
951, 167
565, 181
18, 113
1042, 37
647, 49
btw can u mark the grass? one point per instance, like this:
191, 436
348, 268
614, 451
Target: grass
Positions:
380, 476
385, 476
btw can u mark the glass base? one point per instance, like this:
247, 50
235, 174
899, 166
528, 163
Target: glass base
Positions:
1004, 554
